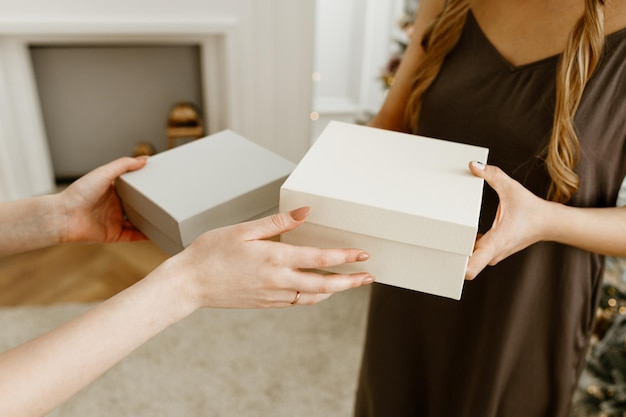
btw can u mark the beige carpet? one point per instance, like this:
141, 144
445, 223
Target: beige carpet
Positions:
299, 361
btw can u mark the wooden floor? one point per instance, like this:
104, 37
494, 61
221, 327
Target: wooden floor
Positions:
74, 272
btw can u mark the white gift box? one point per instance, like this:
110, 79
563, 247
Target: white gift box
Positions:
410, 201
211, 182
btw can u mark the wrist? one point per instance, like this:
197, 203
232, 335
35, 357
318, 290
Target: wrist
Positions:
553, 215
57, 218
49, 220
173, 278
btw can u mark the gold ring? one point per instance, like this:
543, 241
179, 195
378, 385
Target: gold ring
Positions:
295, 300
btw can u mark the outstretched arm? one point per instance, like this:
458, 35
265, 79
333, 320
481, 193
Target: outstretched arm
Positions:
523, 218
233, 267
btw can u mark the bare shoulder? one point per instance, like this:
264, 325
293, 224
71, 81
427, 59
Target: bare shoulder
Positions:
391, 114
427, 12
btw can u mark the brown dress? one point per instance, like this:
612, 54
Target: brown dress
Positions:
515, 344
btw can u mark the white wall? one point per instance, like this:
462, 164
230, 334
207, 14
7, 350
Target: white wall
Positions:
99, 102
354, 41
267, 82
272, 48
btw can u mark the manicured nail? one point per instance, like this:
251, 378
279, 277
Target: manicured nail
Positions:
368, 280
301, 213
478, 165
363, 256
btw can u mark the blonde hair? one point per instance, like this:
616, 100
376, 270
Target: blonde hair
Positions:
576, 66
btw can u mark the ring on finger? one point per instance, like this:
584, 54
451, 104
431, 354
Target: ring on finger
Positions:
295, 300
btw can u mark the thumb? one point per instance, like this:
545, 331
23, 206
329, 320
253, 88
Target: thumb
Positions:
114, 169
276, 224
493, 175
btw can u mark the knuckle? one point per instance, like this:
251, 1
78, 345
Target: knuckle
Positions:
357, 282
496, 170
494, 262
272, 259
497, 173
277, 221
275, 257
322, 259
325, 287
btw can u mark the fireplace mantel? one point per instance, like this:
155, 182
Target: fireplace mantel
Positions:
257, 60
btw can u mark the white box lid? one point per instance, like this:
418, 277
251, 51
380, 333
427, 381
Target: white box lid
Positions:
390, 185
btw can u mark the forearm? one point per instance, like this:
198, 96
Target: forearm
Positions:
598, 230
43, 373
30, 224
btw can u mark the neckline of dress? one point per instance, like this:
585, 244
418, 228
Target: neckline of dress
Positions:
536, 63
511, 67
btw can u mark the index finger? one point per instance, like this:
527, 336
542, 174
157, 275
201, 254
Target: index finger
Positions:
484, 253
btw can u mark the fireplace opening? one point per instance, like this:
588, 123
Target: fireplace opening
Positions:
101, 102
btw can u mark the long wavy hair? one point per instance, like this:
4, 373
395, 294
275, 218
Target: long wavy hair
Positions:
576, 66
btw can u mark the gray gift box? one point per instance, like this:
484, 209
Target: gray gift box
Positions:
208, 183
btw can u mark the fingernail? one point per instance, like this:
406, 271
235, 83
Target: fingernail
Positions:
363, 256
368, 280
301, 213
478, 165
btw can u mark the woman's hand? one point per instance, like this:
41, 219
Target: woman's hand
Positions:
520, 220
236, 267
92, 209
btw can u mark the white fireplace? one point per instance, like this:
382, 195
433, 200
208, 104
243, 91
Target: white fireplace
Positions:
256, 64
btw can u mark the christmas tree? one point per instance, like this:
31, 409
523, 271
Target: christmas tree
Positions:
601, 390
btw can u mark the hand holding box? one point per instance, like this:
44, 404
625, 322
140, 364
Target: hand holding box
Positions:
212, 182
409, 201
